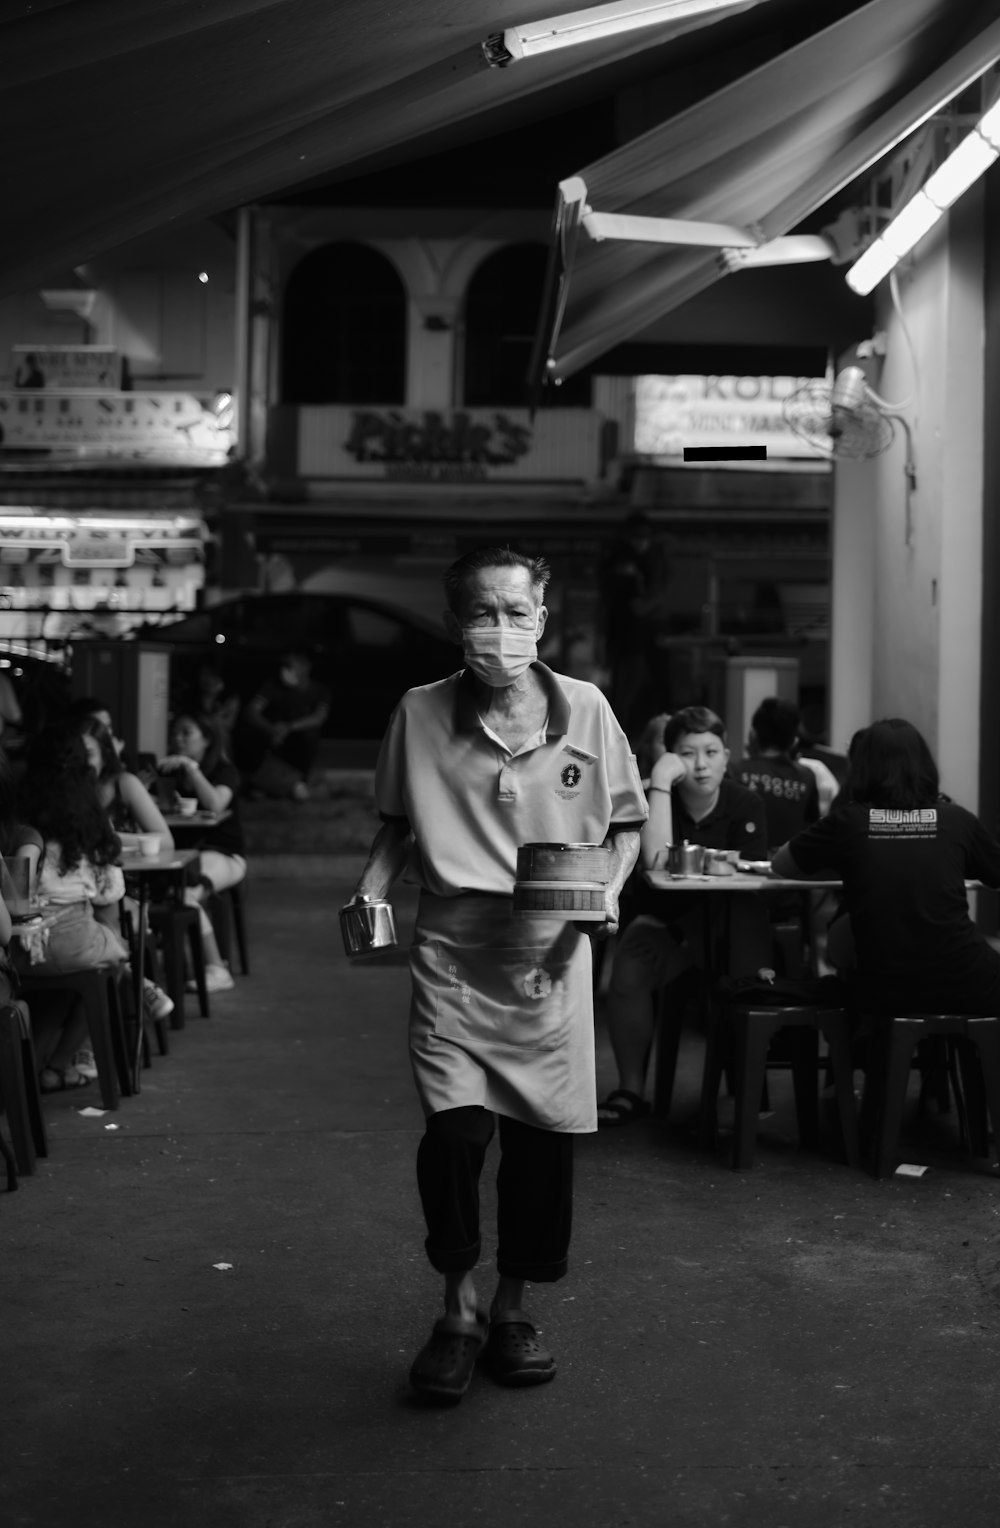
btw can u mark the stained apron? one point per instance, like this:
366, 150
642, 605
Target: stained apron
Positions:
502, 1014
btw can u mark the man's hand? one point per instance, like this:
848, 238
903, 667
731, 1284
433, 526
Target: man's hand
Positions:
279, 731
601, 931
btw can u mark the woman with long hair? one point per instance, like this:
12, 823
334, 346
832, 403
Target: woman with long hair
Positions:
126, 800
198, 767
904, 852
77, 874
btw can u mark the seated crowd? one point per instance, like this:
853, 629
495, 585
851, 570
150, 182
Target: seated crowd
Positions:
72, 815
901, 937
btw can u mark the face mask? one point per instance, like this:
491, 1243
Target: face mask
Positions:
499, 655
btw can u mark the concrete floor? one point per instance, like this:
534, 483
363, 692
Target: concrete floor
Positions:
796, 1345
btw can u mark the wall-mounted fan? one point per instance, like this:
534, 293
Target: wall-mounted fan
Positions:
848, 419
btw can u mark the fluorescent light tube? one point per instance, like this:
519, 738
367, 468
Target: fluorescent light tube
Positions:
909, 226
874, 265
603, 21
962, 168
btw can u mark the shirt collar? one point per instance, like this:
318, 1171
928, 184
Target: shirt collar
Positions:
467, 711
720, 809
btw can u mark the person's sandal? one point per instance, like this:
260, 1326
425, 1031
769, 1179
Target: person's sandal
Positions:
514, 1353
61, 1079
442, 1370
622, 1108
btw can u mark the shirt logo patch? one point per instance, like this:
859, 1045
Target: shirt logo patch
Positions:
884, 823
571, 775
538, 983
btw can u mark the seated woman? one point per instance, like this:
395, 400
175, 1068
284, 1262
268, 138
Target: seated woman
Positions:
199, 767
904, 853
128, 803
77, 874
690, 798
57, 1030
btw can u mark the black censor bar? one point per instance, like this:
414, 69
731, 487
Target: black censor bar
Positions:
725, 453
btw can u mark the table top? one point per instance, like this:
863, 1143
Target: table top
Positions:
743, 880
200, 819
133, 862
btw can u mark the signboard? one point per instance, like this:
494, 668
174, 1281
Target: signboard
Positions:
99, 540
66, 367
675, 412
448, 445
177, 428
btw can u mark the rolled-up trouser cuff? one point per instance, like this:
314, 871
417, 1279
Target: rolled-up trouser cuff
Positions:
535, 1273
462, 1260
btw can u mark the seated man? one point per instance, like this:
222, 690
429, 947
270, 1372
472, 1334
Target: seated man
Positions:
690, 798
789, 793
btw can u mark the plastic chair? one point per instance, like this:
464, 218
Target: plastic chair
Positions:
968, 1037
172, 922
19, 1093
97, 988
225, 908
742, 1035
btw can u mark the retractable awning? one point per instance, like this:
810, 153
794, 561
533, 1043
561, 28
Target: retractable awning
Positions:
744, 166
120, 118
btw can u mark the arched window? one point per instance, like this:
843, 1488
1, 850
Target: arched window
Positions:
344, 333
501, 313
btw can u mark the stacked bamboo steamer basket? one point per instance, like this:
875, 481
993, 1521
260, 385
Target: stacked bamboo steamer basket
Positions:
562, 881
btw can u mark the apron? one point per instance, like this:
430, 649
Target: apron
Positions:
502, 1014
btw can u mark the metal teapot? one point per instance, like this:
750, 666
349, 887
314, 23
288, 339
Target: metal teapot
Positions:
367, 926
685, 858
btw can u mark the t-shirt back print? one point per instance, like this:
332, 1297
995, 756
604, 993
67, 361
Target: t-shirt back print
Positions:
885, 823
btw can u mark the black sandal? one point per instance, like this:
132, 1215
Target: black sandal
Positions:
623, 1107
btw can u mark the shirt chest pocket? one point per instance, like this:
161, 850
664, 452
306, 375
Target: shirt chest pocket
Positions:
517, 997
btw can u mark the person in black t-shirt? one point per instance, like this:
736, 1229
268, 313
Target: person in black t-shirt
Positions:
789, 793
199, 767
904, 853
690, 798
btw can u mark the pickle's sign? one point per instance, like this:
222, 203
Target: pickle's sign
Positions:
435, 448
674, 414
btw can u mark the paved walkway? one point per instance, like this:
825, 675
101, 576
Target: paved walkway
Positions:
793, 1347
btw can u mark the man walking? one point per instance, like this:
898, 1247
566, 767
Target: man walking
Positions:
503, 753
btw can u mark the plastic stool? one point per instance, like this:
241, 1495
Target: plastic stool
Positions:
97, 987
172, 922
981, 1085
225, 908
750, 1029
19, 1091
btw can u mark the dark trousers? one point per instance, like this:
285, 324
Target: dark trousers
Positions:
534, 1194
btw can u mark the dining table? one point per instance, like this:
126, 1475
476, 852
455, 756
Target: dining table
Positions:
746, 879
188, 829
166, 872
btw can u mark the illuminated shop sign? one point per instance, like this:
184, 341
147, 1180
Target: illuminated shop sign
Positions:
66, 367
177, 428
99, 541
675, 412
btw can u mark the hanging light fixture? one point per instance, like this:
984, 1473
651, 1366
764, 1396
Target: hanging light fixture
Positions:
600, 21
954, 175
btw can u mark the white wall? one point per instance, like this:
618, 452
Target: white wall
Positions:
906, 612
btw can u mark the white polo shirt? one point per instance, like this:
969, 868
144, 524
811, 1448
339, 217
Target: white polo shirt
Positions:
470, 803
